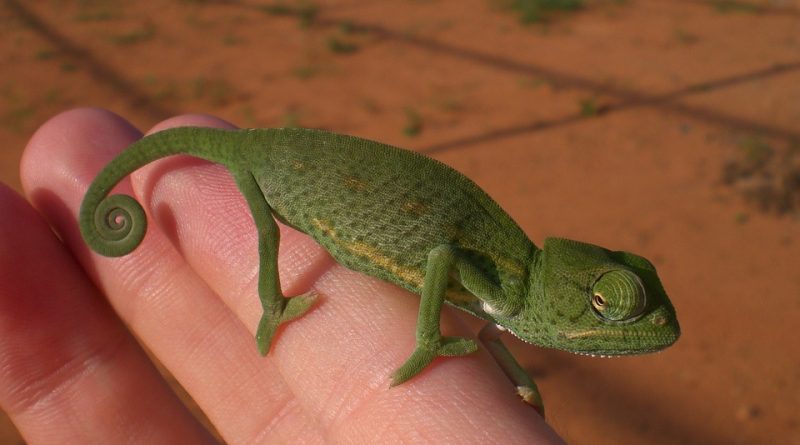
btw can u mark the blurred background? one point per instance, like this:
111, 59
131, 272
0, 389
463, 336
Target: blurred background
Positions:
670, 128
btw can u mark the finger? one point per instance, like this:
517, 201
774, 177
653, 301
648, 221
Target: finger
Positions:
161, 299
69, 371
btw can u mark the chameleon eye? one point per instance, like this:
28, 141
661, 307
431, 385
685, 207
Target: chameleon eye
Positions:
618, 295
599, 302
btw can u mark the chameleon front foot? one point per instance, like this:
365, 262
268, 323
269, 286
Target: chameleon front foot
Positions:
270, 321
424, 355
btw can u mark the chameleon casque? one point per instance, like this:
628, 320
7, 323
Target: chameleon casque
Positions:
413, 221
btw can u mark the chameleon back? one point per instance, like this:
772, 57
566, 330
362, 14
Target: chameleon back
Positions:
380, 209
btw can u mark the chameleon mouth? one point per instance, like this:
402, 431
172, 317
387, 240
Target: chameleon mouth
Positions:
591, 333
638, 341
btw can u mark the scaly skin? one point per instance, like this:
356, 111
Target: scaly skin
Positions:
412, 221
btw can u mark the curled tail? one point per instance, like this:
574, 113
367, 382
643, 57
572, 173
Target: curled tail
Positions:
115, 225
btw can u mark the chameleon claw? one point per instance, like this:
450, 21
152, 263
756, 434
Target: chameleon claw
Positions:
531, 397
299, 305
294, 307
423, 356
453, 346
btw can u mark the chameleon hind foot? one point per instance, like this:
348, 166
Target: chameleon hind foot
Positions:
424, 355
270, 321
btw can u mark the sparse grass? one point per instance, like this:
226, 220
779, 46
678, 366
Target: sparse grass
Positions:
277, 8
347, 27
143, 34
45, 54
68, 67
726, 6
756, 151
230, 39
451, 104
766, 176
414, 124
306, 11
343, 41
589, 107
53, 96
99, 10
306, 71
339, 46
538, 11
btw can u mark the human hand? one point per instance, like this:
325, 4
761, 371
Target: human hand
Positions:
71, 372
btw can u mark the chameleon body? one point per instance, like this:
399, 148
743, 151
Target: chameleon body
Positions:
413, 221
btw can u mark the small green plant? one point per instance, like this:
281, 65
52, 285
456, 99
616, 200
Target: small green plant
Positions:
69, 67
589, 107
451, 104
741, 217
277, 8
726, 6
53, 96
537, 11
99, 10
45, 54
413, 125
305, 71
147, 32
766, 175
230, 39
339, 46
306, 12
756, 150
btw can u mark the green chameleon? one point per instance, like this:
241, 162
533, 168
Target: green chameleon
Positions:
413, 221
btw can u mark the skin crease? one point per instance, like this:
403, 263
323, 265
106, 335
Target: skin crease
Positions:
188, 293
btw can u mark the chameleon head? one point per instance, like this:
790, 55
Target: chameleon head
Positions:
590, 300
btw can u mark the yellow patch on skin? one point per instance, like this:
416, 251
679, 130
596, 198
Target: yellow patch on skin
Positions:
325, 227
355, 184
593, 333
457, 296
298, 166
407, 274
414, 207
509, 266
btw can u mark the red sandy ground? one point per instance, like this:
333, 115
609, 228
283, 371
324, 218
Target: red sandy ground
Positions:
612, 125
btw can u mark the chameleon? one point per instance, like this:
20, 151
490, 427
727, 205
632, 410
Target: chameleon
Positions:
413, 221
